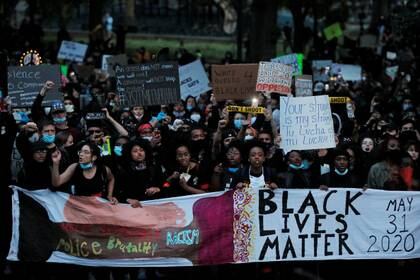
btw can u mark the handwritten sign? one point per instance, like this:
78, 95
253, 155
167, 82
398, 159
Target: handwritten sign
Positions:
234, 81
306, 123
110, 62
148, 84
303, 85
245, 109
72, 51
295, 60
24, 84
274, 77
193, 79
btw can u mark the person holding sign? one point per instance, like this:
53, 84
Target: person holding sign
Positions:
256, 175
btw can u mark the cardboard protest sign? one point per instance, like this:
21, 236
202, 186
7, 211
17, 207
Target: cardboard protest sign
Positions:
193, 79
306, 123
368, 41
148, 84
349, 72
72, 51
110, 62
245, 109
25, 82
295, 60
234, 81
303, 85
246, 225
321, 69
333, 31
274, 77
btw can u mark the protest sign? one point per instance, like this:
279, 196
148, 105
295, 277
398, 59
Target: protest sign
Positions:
274, 77
306, 123
294, 60
72, 51
25, 82
245, 109
333, 31
368, 41
64, 70
303, 85
234, 81
391, 55
321, 69
110, 62
148, 84
193, 79
241, 226
349, 72
392, 72
339, 99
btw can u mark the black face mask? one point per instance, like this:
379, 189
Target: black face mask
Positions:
72, 150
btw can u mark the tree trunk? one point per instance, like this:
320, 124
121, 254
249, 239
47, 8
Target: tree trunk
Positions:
263, 32
95, 13
298, 21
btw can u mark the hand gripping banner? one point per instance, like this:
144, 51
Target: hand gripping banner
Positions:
242, 226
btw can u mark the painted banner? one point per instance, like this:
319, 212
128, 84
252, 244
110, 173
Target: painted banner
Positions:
193, 79
25, 82
234, 81
241, 226
306, 123
295, 60
148, 84
303, 85
72, 51
274, 77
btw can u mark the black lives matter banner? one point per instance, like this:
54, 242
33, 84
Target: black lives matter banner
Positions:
25, 82
148, 84
241, 226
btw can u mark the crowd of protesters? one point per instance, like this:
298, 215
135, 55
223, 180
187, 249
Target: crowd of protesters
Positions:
195, 146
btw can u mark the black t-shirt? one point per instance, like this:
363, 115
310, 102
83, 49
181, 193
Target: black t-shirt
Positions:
88, 187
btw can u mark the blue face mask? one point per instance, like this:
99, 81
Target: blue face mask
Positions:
237, 124
296, 167
178, 114
338, 172
118, 150
189, 107
48, 138
233, 169
59, 120
86, 166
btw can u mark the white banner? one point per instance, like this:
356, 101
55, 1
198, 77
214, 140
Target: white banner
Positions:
72, 51
193, 79
306, 123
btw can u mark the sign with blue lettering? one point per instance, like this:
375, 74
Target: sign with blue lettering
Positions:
306, 123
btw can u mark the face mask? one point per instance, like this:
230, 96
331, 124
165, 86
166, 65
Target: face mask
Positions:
34, 138
69, 108
306, 164
237, 123
296, 167
59, 120
253, 119
248, 137
233, 169
48, 138
189, 107
86, 166
196, 118
148, 138
407, 106
47, 110
23, 117
338, 172
178, 114
118, 150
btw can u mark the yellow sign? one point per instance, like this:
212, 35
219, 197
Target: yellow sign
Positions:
339, 100
244, 109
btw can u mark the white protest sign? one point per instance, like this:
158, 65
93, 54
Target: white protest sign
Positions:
303, 85
349, 72
274, 77
392, 72
193, 79
105, 64
72, 51
289, 59
320, 70
306, 123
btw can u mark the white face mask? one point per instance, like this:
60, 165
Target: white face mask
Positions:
248, 137
148, 138
69, 108
195, 118
47, 110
